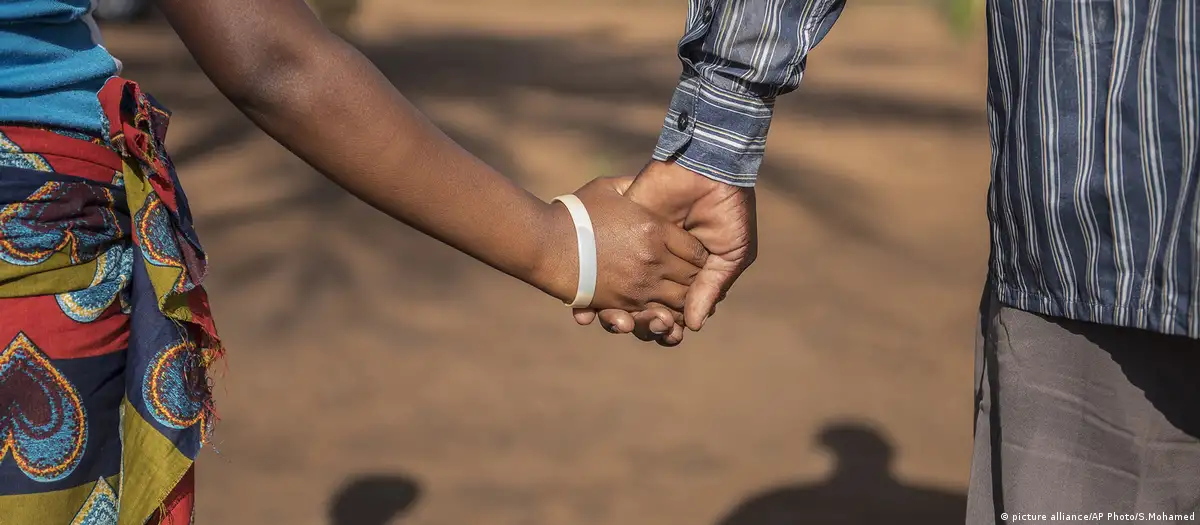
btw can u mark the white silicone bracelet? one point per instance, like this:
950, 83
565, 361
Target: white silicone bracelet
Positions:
586, 238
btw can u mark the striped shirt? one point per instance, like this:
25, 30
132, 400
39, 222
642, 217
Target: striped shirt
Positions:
1094, 110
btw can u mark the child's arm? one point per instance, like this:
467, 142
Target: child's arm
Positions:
324, 101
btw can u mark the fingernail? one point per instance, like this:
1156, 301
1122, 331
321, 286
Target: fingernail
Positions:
658, 331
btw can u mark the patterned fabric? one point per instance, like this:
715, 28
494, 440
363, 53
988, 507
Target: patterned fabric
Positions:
107, 335
1095, 125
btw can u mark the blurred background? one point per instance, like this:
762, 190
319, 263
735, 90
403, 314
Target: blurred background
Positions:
376, 377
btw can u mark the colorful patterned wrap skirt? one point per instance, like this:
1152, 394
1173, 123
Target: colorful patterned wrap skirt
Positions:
106, 337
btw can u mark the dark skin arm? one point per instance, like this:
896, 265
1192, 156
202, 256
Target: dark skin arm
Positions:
324, 101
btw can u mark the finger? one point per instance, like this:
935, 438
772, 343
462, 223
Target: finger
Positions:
685, 246
702, 298
643, 333
657, 319
653, 323
672, 295
678, 270
660, 327
672, 338
584, 316
616, 321
612, 327
712, 311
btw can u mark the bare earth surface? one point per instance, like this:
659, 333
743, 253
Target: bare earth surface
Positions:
377, 377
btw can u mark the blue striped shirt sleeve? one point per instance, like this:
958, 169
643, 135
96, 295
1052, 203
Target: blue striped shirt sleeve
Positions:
738, 56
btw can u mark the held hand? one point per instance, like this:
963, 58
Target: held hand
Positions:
641, 259
721, 216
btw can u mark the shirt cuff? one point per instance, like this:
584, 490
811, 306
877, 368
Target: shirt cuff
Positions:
715, 132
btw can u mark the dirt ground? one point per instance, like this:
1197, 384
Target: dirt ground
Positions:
377, 377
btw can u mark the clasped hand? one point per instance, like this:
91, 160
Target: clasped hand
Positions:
667, 254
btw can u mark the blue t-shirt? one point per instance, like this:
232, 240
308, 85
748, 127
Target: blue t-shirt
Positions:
52, 64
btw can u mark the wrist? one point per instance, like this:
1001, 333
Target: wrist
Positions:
556, 267
688, 181
671, 189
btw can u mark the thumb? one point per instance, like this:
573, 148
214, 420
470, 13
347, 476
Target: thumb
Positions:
662, 199
637, 190
702, 297
622, 184
604, 185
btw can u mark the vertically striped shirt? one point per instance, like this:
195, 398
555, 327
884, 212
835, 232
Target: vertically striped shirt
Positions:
1094, 109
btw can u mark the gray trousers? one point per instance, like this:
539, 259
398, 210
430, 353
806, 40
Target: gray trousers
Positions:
1083, 419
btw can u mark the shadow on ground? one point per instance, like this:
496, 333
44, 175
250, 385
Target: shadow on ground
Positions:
489, 71
373, 500
862, 490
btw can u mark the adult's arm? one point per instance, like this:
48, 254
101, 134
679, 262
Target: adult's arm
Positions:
738, 56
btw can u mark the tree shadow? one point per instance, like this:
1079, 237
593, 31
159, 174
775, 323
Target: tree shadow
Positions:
861, 491
492, 72
373, 500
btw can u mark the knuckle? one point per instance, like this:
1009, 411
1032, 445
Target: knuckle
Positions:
650, 280
646, 229
639, 300
646, 256
643, 287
